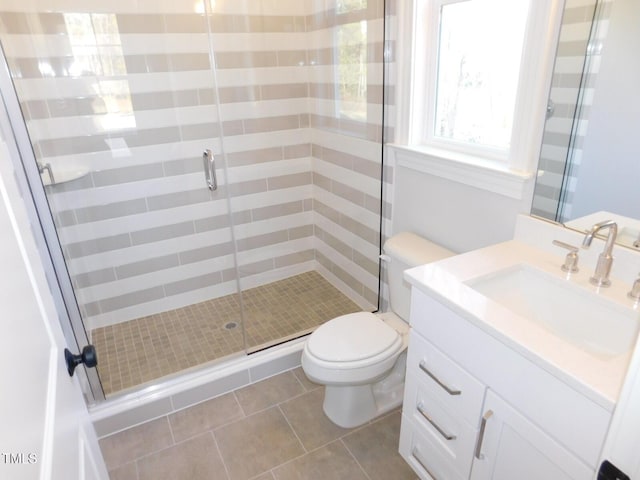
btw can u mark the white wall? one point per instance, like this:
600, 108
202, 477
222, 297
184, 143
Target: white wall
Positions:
459, 217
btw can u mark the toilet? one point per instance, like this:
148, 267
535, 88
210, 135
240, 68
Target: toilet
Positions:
361, 357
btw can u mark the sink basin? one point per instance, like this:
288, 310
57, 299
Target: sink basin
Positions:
575, 314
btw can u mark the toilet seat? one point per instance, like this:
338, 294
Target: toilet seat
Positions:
351, 355
353, 341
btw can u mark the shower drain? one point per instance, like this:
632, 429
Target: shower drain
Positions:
230, 325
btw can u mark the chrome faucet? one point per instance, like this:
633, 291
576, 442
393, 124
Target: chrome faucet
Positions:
605, 260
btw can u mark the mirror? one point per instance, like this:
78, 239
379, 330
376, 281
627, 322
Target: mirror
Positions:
589, 167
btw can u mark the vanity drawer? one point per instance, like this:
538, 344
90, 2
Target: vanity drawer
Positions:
449, 435
443, 380
428, 458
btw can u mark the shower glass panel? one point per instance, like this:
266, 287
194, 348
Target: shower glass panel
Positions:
303, 88
119, 105
121, 101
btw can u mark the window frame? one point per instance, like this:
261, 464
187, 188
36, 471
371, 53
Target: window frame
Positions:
417, 58
426, 134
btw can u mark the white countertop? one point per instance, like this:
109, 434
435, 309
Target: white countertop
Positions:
597, 377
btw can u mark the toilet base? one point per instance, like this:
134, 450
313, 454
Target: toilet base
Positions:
350, 406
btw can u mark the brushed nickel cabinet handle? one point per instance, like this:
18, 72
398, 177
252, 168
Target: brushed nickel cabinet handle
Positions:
447, 389
478, 453
414, 454
426, 416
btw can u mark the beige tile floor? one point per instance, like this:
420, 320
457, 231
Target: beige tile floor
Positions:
142, 350
272, 430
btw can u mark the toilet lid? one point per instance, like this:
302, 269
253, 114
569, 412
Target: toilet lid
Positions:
351, 337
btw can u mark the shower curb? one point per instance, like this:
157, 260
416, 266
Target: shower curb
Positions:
129, 410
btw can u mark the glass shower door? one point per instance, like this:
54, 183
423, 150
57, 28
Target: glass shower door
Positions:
120, 102
119, 105
301, 94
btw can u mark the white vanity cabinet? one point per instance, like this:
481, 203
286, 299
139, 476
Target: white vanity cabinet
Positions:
475, 408
512, 446
441, 408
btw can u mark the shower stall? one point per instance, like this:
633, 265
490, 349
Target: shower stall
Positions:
207, 174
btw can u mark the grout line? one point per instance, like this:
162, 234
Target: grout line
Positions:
264, 473
171, 430
388, 414
146, 455
292, 429
173, 406
224, 464
305, 392
238, 400
135, 464
297, 379
306, 451
291, 460
296, 433
355, 459
211, 429
267, 407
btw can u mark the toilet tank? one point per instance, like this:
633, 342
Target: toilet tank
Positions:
406, 250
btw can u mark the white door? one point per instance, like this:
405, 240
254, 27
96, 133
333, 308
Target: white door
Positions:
513, 447
45, 431
623, 438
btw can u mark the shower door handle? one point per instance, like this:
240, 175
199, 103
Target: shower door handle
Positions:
209, 164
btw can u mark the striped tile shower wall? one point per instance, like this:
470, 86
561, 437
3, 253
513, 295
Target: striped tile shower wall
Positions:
346, 135
128, 94
551, 196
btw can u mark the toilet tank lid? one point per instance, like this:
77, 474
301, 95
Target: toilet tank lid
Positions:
414, 250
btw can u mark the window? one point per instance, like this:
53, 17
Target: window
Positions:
351, 71
347, 6
96, 47
351, 49
479, 76
476, 72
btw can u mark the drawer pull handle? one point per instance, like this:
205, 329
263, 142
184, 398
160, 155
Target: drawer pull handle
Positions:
478, 453
414, 454
434, 424
450, 391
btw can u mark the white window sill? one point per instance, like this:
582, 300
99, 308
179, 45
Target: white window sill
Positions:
477, 172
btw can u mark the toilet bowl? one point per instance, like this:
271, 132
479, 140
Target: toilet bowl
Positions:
353, 356
361, 357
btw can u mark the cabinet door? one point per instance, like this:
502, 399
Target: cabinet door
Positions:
510, 446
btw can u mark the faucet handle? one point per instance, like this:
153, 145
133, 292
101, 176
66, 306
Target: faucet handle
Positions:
571, 260
635, 290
